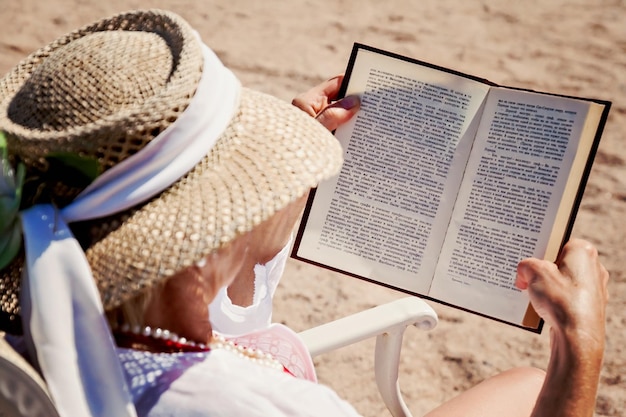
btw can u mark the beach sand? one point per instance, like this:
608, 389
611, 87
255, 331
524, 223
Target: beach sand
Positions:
283, 48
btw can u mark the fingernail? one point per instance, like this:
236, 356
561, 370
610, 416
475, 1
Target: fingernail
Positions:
349, 102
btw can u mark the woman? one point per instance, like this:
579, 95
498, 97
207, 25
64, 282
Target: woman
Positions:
177, 182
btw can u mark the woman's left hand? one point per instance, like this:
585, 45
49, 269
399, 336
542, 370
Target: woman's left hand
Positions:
319, 102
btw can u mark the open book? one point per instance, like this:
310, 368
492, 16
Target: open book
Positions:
448, 182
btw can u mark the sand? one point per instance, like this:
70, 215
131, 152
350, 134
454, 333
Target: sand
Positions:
283, 48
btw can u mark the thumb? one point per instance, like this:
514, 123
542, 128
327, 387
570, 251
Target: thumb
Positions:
338, 113
527, 271
524, 274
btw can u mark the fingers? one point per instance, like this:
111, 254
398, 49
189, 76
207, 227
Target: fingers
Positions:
572, 290
338, 113
319, 102
576, 253
578, 260
319, 97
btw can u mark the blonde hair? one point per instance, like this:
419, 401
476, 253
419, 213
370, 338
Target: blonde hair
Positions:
132, 311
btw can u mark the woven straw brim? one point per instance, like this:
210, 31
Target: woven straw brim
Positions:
271, 154
53, 101
43, 108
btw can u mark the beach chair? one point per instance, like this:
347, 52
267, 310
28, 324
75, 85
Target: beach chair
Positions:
23, 393
387, 322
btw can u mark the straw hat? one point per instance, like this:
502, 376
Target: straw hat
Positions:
103, 93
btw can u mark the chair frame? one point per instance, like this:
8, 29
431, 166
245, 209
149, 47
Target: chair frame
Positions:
23, 392
387, 322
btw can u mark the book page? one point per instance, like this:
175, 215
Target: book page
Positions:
384, 216
516, 178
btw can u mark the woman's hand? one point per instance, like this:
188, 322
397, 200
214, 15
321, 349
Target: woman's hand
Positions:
319, 102
571, 296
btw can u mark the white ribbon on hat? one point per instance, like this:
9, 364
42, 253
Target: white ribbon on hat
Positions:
62, 312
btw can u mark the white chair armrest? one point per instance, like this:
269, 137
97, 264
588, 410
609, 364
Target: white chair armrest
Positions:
387, 322
390, 317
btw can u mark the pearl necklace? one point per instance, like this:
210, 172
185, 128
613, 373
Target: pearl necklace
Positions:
164, 341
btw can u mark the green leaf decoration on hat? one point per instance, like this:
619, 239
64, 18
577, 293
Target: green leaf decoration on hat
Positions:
73, 169
10, 196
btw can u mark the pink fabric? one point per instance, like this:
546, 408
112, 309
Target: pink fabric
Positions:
283, 344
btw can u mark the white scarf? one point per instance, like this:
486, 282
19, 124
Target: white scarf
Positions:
62, 311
